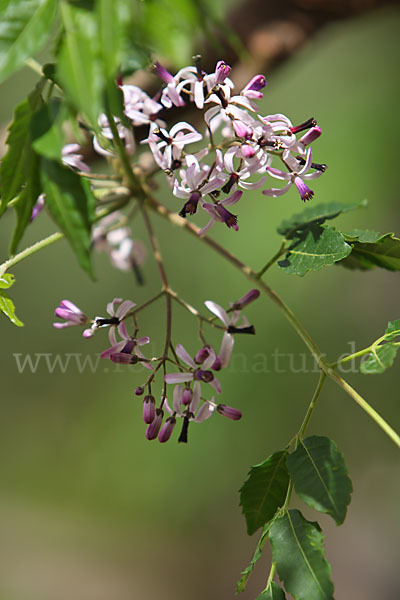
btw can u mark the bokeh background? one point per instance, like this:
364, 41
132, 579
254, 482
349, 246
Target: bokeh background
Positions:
91, 510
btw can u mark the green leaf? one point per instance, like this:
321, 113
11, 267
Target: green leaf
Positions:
79, 68
264, 491
313, 248
297, 549
319, 474
7, 307
25, 203
392, 330
314, 215
379, 360
71, 204
6, 280
24, 27
46, 129
274, 592
17, 163
370, 249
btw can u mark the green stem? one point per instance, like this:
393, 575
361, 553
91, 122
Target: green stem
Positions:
311, 407
54, 237
380, 421
270, 576
272, 260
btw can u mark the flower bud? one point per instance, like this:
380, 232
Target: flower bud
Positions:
202, 355
154, 427
166, 430
246, 299
311, 135
139, 391
222, 71
149, 409
229, 412
187, 396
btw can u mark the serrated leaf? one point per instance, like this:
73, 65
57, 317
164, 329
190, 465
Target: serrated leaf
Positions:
24, 27
264, 491
392, 330
297, 549
7, 307
274, 592
17, 163
381, 359
319, 474
25, 203
6, 280
314, 248
368, 251
46, 129
78, 67
71, 204
362, 235
314, 215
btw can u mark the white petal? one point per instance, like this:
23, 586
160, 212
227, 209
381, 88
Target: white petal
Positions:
218, 311
205, 411
226, 349
178, 389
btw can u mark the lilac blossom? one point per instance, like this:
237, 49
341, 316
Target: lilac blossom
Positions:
296, 176
126, 350
219, 212
72, 315
194, 373
167, 147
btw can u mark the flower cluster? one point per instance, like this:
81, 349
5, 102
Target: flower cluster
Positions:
249, 141
195, 374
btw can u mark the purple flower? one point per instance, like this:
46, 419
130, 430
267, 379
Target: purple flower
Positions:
127, 350
252, 89
222, 71
218, 212
72, 315
171, 94
194, 373
296, 176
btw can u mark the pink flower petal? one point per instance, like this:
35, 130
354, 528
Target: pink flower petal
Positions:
184, 355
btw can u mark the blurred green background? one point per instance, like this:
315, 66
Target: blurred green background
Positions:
91, 510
